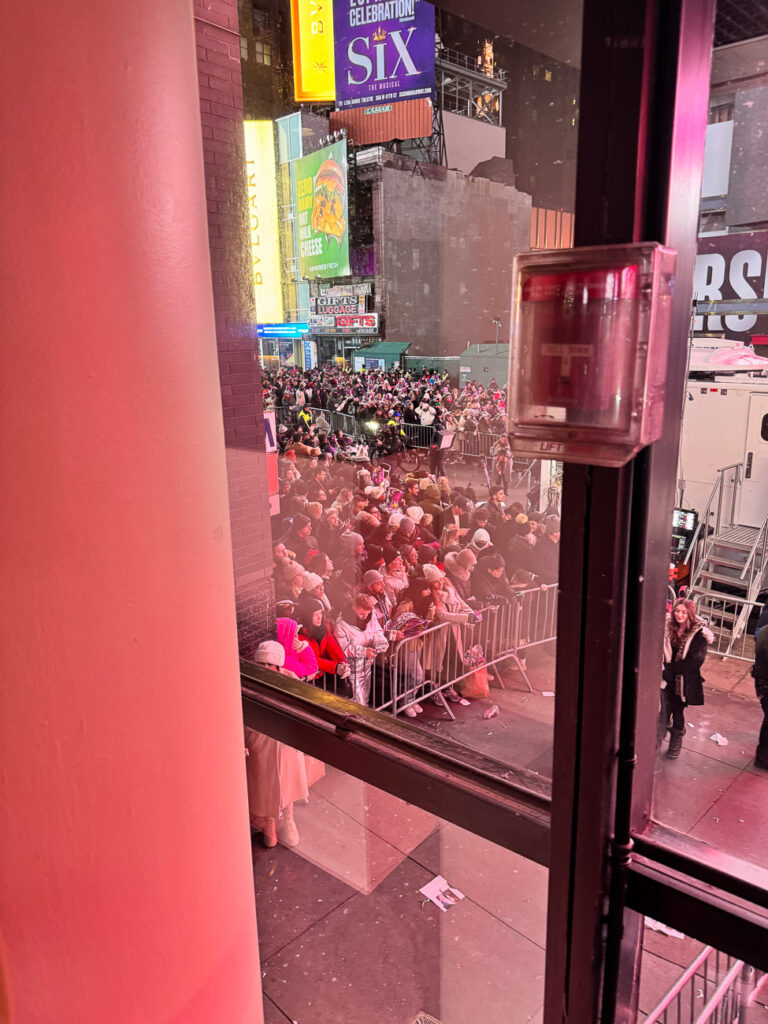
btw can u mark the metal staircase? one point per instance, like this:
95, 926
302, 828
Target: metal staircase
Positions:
728, 566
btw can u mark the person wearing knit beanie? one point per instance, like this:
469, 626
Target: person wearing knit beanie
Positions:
395, 519
270, 654
300, 522
416, 513
372, 576
310, 581
407, 526
432, 574
353, 543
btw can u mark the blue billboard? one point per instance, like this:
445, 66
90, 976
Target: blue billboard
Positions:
384, 51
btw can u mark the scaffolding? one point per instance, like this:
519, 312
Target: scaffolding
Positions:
468, 88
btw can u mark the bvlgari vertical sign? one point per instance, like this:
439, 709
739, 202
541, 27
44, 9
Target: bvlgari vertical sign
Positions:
385, 50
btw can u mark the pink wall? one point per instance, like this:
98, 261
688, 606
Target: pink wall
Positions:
125, 869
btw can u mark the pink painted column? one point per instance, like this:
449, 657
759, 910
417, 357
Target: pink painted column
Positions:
126, 890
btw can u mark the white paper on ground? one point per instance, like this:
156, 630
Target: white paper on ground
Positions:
721, 741
547, 693
443, 895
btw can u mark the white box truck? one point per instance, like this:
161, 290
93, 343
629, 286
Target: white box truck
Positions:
725, 421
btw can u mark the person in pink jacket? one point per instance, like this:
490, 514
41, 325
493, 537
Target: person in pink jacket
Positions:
299, 656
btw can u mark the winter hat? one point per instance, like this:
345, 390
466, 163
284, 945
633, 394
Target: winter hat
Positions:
424, 483
372, 576
375, 555
416, 513
552, 524
432, 574
427, 554
270, 652
408, 526
352, 540
432, 491
390, 553
481, 539
311, 580
395, 519
307, 608
300, 521
466, 559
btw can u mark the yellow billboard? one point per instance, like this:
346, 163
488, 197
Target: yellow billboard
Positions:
262, 216
314, 78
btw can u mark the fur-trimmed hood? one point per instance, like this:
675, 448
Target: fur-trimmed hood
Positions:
687, 639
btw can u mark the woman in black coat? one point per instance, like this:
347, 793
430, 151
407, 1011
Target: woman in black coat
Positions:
686, 640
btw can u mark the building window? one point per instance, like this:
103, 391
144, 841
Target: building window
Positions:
712, 220
721, 110
260, 20
262, 52
243, 48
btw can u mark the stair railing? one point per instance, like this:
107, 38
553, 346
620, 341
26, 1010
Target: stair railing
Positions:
751, 564
691, 557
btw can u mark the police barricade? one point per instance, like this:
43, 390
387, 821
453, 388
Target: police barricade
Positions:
342, 421
285, 416
417, 435
432, 662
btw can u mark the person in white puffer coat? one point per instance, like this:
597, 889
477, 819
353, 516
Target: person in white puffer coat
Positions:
361, 638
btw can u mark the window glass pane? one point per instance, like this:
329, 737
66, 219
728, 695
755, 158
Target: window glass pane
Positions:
415, 553
345, 930
712, 769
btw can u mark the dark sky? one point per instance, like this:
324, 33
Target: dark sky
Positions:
551, 27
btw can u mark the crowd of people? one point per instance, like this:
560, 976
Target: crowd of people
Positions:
366, 555
383, 404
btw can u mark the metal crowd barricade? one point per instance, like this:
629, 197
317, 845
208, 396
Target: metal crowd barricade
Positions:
435, 660
285, 416
728, 617
475, 444
713, 989
417, 435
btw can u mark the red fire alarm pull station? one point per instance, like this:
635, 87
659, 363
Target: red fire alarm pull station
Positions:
590, 332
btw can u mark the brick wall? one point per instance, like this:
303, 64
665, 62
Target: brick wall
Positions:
221, 112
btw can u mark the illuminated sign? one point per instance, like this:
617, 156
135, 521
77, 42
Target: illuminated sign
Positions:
344, 323
313, 58
384, 51
322, 214
337, 304
293, 330
262, 214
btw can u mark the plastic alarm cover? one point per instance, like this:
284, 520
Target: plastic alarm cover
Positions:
590, 333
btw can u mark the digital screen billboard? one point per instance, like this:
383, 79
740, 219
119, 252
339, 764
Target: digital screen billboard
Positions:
322, 212
384, 51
